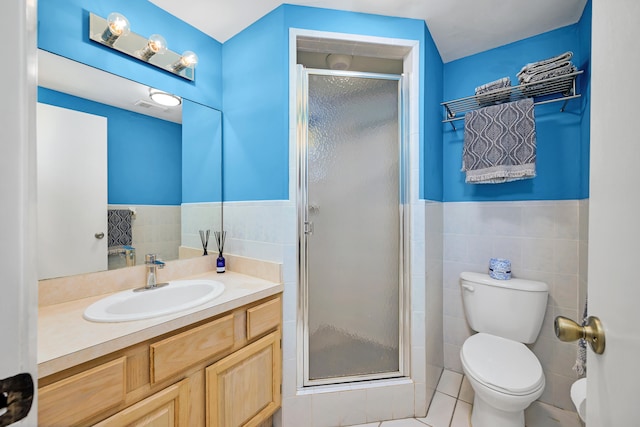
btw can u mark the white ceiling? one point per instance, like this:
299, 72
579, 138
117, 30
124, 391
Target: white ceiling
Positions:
459, 27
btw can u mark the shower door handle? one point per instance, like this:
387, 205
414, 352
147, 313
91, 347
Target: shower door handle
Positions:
308, 228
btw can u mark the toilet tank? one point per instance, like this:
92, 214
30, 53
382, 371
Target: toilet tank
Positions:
512, 309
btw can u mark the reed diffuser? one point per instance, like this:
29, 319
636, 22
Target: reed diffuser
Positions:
220, 263
204, 238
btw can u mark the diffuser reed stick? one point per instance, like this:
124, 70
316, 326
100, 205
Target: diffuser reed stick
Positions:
204, 238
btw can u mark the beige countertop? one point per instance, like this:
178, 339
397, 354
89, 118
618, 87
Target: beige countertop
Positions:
66, 339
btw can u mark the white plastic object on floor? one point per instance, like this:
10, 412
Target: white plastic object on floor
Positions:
579, 397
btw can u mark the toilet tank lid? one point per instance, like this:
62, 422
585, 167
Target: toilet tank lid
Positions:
513, 283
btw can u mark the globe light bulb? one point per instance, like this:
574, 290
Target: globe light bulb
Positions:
117, 26
155, 45
187, 60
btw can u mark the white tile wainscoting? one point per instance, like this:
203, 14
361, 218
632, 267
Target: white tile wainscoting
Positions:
546, 241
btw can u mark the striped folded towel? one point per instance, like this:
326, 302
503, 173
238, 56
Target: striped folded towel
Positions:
533, 67
547, 68
487, 95
496, 84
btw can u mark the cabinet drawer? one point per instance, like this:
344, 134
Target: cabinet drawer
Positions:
173, 355
169, 407
263, 318
77, 398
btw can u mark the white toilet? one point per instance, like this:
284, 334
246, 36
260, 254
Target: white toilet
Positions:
505, 375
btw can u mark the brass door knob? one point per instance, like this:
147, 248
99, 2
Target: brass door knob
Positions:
567, 330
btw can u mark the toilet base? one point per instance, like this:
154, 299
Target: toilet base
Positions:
485, 415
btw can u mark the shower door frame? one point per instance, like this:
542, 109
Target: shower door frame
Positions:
404, 315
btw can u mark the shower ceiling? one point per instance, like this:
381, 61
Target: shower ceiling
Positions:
459, 27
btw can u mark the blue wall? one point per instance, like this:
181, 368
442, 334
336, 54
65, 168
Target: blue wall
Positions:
431, 172
561, 139
248, 77
256, 93
71, 39
584, 31
201, 153
255, 85
143, 153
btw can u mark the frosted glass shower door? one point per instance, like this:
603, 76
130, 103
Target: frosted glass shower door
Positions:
353, 231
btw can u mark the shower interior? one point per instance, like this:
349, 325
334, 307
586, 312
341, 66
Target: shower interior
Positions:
343, 354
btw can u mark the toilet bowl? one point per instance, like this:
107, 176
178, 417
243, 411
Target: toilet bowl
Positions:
505, 376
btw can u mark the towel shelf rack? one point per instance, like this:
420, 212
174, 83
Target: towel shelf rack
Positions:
555, 89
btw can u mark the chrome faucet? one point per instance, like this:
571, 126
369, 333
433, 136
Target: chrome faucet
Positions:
152, 262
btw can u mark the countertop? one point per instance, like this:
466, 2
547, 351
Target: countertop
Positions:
66, 339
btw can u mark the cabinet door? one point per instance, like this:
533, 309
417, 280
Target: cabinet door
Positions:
243, 389
167, 408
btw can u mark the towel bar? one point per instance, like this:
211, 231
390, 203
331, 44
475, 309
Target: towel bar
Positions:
563, 86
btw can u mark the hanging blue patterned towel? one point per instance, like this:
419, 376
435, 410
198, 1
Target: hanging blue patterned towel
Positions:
500, 143
118, 227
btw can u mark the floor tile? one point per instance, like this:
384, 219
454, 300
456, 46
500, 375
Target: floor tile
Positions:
447, 411
466, 391
408, 422
450, 383
440, 411
461, 415
542, 415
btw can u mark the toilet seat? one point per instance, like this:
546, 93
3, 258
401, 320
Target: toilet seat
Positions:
503, 365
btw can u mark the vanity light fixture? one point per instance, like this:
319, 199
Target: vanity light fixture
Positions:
117, 26
155, 45
187, 60
115, 32
164, 98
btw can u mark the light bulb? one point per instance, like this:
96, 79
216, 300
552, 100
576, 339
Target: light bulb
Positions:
117, 26
187, 60
155, 44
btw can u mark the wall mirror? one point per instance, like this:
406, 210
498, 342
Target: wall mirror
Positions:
117, 171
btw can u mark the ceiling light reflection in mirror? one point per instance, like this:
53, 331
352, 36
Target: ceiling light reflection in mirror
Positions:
63, 75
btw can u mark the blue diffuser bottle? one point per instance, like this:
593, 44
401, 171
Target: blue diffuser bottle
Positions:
220, 265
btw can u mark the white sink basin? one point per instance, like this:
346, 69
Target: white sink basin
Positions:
129, 305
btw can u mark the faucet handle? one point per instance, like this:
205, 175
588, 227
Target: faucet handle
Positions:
152, 259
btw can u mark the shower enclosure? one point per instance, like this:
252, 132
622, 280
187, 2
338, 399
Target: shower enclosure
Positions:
352, 192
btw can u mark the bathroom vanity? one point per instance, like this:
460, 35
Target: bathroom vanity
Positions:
218, 364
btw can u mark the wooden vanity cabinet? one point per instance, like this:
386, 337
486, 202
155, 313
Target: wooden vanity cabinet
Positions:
224, 371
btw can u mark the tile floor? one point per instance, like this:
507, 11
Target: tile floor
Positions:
452, 402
